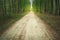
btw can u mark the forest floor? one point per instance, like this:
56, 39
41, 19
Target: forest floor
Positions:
6, 21
52, 20
30, 27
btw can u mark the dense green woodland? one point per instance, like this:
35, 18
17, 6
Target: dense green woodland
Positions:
10, 7
49, 11
48, 6
11, 10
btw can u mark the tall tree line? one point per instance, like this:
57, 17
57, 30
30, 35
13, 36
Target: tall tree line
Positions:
48, 6
11, 7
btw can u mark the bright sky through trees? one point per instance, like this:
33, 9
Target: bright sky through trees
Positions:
31, 2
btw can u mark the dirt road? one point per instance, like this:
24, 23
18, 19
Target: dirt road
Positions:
30, 27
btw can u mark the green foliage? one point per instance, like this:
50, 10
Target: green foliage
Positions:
12, 10
47, 6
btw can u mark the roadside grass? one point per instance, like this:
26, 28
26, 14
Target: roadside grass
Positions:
6, 22
53, 21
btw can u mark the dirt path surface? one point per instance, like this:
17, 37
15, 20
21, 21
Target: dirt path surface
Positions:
30, 27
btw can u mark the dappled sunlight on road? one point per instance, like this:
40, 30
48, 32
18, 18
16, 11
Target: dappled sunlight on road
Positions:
30, 27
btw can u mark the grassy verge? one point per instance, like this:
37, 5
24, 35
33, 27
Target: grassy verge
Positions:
53, 21
6, 22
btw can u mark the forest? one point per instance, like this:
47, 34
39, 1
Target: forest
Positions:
49, 11
13, 10
48, 6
